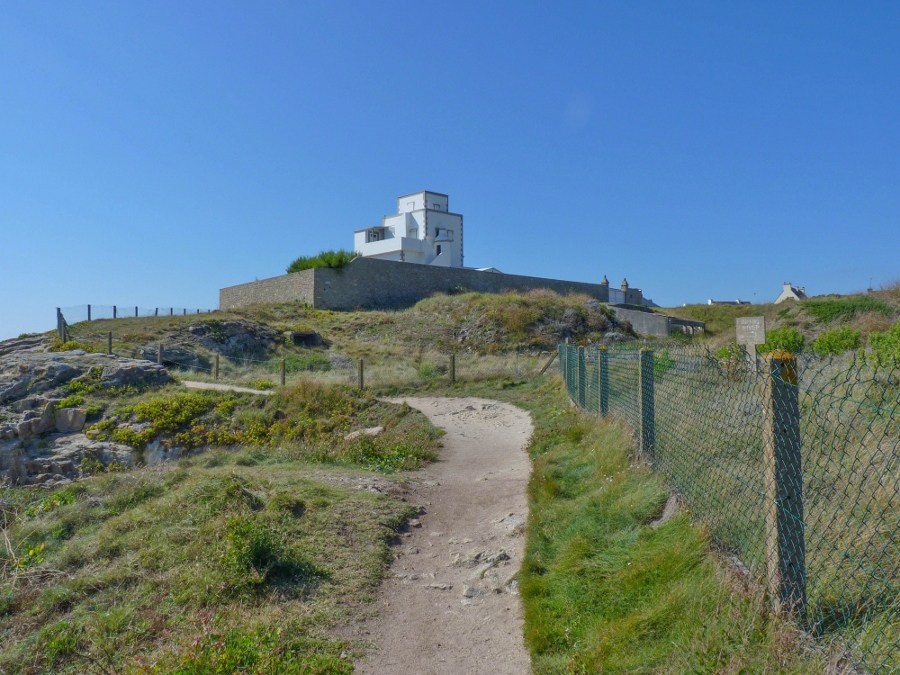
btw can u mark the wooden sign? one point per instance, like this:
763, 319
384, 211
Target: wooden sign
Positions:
750, 330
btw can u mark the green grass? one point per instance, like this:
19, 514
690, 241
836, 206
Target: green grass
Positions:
228, 558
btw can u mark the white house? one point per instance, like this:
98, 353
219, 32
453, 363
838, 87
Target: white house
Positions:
422, 231
789, 292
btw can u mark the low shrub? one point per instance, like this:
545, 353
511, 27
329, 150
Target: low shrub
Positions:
837, 341
886, 345
786, 338
72, 401
59, 346
331, 259
826, 310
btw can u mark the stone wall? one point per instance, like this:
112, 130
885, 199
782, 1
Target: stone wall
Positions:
385, 284
644, 322
296, 287
369, 283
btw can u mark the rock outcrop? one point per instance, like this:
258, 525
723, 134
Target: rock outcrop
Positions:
41, 443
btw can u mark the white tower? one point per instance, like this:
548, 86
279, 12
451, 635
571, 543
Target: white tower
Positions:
422, 231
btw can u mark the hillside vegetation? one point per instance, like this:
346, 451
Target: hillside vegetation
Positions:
246, 555
827, 324
238, 558
470, 322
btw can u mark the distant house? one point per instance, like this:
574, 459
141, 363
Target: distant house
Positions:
422, 231
791, 293
727, 302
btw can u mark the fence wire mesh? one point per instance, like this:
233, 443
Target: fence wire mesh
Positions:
792, 464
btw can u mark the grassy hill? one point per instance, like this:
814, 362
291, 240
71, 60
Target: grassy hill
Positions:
249, 554
866, 314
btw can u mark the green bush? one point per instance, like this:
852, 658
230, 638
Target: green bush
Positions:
730, 352
827, 310
837, 341
786, 338
72, 401
59, 346
886, 345
331, 259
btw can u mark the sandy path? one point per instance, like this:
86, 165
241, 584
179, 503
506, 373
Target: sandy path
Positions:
451, 606
190, 384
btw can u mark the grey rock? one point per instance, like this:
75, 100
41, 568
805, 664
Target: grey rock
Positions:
70, 419
135, 373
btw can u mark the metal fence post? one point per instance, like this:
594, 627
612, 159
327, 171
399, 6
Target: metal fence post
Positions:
646, 408
453, 368
135, 312
283, 371
59, 330
89, 312
603, 363
785, 536
362, 381
582, 377
109, 343
115, 312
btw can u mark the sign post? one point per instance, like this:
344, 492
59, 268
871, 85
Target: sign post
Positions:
750, 331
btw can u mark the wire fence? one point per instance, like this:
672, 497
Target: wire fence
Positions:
66, 316
792, 463
255, 370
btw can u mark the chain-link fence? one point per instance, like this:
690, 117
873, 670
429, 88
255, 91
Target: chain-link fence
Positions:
792, 463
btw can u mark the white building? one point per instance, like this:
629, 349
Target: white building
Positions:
789, 292
422, 231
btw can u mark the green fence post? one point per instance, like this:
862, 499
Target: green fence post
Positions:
603, 363
582, 378
564, 363
646, 408
785, 536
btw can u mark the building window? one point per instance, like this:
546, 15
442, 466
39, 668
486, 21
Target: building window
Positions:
438, 249
413, 232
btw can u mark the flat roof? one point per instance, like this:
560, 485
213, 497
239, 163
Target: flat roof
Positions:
439, 194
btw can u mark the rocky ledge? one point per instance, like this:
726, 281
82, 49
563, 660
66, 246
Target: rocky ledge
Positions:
41, 443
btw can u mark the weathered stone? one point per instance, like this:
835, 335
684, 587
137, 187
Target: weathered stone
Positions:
135, 373
70, 419
369, 431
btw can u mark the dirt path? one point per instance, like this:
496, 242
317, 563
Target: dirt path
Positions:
190, 384
451, 606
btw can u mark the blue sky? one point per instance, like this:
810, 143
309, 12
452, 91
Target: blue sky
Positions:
151, 153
